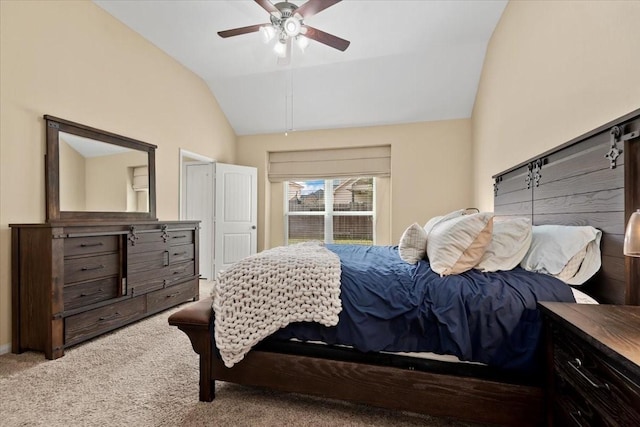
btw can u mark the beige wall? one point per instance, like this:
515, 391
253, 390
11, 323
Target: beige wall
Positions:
430, 168
553, 71
72, 178
109, 181
73, 60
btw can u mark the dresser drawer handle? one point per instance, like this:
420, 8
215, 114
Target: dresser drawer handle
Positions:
113, 316
576, 364
97, 267
89, 245
182, 236
576, 416
84, 294
179, 253
175, 294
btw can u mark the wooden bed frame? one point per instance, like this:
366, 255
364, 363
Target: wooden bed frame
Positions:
574, 184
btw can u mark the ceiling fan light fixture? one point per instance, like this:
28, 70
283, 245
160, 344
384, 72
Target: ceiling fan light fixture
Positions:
268, 33
281, 48
292, 26
302, 42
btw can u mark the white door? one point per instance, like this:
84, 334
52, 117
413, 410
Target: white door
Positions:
236, 213
198, 204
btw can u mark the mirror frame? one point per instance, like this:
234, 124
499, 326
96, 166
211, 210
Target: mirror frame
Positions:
55, 125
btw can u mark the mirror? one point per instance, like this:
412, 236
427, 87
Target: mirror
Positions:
95, 175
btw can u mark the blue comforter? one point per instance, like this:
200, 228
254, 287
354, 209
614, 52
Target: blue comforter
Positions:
389, 305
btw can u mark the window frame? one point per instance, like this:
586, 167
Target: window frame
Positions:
329, 214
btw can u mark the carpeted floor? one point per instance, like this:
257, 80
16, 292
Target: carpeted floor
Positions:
146, 374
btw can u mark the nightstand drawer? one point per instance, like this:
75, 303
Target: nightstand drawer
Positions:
591, 373
571, 409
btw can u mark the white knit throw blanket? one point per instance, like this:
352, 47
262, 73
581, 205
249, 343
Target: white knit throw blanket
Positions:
265, 292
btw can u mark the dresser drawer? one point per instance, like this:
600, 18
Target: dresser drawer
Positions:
142, 287
140, 248
171, 296
180, 237
86, 293
147, 280
91, 267
594, 376
180, 253
182, 270
142, 238
95, 322
152, 259
90, 245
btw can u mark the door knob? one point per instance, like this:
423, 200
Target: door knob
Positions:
253, 227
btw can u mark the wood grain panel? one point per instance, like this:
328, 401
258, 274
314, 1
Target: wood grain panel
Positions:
518, 209
579, 159
608, 222
611, 244
611, 292
599, 201
512, 197
613, 267
600, 180
401, 389
513, 181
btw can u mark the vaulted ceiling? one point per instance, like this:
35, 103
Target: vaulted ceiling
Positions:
409, 61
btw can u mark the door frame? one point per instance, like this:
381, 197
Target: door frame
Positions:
181, 178
182, 182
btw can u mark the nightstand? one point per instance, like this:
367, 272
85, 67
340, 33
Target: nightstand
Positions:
592, 364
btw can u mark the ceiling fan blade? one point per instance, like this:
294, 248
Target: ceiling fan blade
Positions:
286, 59
326, 38
268, 6
312, 7
242, 30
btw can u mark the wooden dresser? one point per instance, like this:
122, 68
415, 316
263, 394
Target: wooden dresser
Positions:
593, 364
74, 281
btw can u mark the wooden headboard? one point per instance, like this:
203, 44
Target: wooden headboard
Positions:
594, 180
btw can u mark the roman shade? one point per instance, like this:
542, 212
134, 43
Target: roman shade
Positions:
140, 178
330, 163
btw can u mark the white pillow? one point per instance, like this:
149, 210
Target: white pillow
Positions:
509, 244
413, 244
554, 246
456, 245
582, 298
573, 265
438, 219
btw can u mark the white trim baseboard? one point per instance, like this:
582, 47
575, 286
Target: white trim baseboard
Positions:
6, 348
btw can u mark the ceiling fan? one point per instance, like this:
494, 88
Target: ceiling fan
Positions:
287, 23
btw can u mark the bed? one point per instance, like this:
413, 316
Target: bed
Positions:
591, 180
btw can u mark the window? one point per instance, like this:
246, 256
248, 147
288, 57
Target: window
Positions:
332, 210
